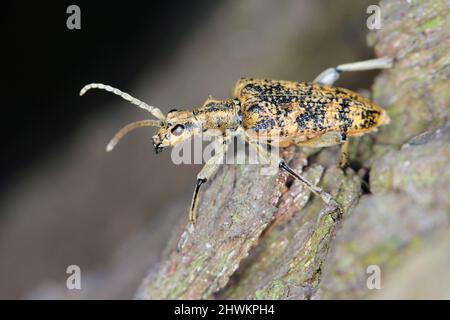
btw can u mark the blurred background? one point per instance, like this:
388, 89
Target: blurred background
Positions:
63, 199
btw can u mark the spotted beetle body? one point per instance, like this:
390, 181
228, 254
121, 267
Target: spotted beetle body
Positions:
301, 112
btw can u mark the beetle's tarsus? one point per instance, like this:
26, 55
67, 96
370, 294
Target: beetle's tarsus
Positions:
194, 204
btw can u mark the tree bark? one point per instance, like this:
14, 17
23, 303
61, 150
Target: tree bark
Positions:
266, 237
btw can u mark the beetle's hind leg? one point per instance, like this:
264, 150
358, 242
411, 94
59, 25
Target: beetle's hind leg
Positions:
330, 75
208, 170
325, 196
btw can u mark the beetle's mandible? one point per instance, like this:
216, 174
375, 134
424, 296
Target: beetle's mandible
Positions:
312, 114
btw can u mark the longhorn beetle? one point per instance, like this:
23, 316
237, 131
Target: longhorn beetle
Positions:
312, 114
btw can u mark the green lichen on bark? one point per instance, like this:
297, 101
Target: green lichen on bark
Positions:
228, 226
407, 211
289, 260
415, 92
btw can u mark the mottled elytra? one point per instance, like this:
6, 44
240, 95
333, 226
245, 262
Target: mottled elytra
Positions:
284, 113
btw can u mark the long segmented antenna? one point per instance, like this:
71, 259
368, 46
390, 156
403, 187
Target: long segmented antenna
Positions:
130, 127
153, 110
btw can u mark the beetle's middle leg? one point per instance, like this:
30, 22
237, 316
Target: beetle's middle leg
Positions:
330, 75
208, 170
343, 156
325, 196
330, 139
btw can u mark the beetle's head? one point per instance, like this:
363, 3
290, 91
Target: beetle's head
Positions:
173, 129
179, 126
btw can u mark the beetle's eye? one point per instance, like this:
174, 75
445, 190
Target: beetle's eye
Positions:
177, 130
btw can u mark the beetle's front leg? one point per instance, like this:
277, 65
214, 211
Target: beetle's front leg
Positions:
208, 170
330, 75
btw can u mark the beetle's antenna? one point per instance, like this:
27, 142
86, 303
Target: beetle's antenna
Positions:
153, 110
130, 127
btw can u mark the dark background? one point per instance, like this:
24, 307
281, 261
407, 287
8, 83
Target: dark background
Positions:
45, 64
63, 200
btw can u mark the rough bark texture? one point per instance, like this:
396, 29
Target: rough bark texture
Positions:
264, 237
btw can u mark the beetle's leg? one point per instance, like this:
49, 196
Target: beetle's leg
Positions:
330, 139
326, 197
208, 170
343, 156
330, 75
